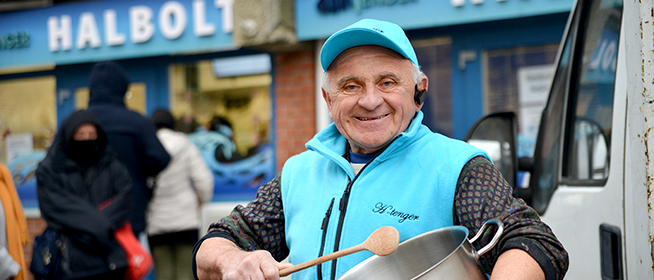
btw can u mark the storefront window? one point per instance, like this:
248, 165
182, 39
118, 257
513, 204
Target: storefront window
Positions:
434, 57
225, 106
134, 98
28, 123
519, 80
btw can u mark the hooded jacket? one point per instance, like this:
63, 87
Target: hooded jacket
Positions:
130, 134
182, 187
85, 203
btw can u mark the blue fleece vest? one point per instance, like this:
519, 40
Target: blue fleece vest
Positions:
409, 186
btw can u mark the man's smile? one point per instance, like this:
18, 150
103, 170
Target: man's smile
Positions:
370, 119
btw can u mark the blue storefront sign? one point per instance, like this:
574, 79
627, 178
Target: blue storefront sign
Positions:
317, 19
107, 30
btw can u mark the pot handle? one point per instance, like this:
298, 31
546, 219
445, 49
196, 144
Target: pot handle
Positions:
496, 237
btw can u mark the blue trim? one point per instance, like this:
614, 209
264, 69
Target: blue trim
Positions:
320, 18
68, 79
273, 104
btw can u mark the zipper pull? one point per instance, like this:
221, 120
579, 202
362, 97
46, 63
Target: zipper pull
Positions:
325, 221
345, 197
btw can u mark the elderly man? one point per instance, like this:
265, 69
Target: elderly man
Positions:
375, 156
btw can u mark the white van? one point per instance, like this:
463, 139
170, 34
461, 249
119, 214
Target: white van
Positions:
592, 173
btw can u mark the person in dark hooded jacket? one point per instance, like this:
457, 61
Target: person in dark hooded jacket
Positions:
84, 193
132, 135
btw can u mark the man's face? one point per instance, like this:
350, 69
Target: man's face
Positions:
370, 97
85, 132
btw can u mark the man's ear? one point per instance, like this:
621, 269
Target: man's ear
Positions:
423, 85
328, 101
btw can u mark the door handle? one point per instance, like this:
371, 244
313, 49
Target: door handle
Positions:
611, 252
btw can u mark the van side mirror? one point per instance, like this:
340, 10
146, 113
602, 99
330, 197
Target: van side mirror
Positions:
526, 164
497, 134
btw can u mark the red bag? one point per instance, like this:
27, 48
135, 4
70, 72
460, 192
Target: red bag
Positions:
139, 261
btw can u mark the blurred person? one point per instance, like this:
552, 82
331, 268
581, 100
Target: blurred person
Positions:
187, 124
84, 193
173, 217
13, 229
130, 134
226, 151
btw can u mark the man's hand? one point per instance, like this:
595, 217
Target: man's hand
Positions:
219, 258
516, 264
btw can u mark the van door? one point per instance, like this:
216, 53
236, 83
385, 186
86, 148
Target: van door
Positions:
577, 172
573, 185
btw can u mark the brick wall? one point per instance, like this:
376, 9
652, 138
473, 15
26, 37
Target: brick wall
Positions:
295, 110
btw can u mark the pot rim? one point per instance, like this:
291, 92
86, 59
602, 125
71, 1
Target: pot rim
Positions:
431, 232
476, 253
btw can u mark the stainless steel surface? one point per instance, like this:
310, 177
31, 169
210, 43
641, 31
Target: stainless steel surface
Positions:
444, 253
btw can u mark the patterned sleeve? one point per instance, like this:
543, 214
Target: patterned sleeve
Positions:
483, 194
259, 225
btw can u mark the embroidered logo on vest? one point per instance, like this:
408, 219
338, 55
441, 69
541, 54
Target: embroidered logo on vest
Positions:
381, 208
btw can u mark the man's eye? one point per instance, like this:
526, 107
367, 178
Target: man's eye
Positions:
387, 85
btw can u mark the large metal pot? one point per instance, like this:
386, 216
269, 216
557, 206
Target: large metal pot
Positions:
444, 253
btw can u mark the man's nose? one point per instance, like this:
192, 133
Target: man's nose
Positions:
371, 98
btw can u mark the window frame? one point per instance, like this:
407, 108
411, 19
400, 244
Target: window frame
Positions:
575, 37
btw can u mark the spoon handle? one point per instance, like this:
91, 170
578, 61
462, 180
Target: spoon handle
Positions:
322, 259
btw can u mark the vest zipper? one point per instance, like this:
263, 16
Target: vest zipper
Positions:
342, 207
325, 223
345, 199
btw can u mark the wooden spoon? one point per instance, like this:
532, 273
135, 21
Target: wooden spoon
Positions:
382, 242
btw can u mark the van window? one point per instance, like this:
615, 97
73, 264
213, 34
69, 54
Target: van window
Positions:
546, 154
583, 87
587, 142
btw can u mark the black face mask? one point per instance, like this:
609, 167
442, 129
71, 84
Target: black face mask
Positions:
85, 151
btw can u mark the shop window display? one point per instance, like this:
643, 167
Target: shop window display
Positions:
27, 127
227, 116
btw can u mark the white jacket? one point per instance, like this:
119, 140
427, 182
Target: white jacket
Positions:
174, 206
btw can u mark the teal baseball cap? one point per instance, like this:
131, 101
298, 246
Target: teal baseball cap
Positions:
367, 32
